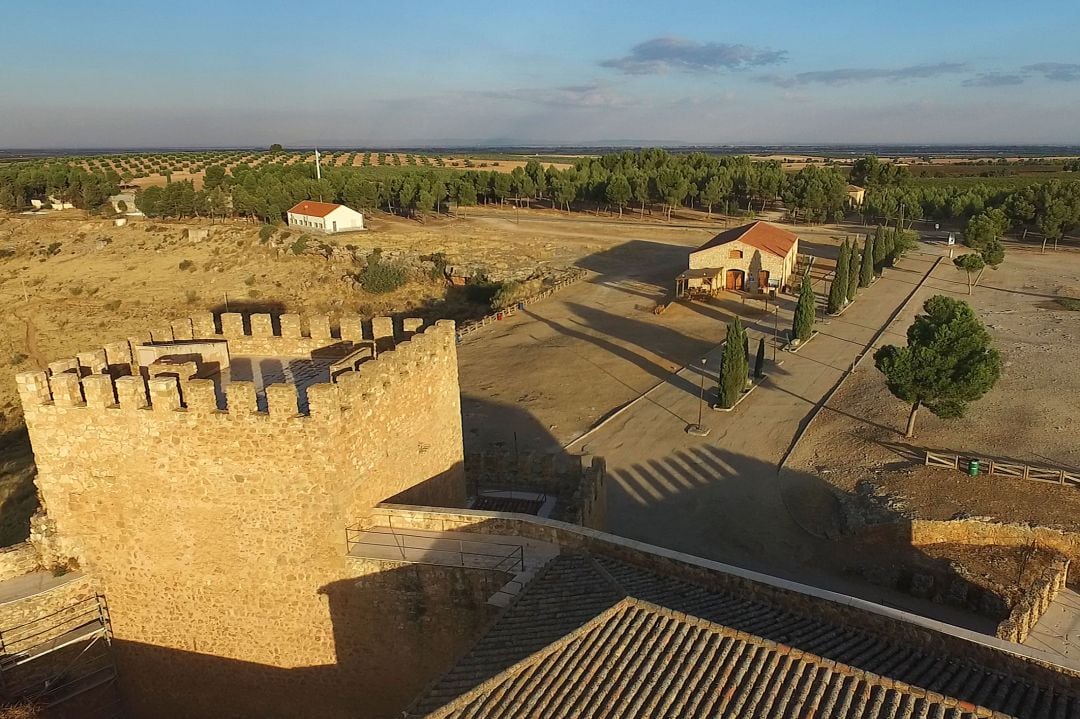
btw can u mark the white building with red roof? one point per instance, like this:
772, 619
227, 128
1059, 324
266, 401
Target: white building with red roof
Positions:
325, 217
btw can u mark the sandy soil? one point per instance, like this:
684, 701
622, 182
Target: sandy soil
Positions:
1030, 416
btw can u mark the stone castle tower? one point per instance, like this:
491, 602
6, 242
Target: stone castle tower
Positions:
204, 476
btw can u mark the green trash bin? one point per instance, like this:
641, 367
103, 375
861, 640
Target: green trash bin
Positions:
973, 468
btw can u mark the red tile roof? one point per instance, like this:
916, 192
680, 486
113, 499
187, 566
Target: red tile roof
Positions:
314, 209
762, 235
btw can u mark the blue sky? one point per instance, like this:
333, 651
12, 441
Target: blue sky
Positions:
240, 72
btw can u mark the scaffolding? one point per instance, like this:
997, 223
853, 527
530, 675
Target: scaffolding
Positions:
54, 658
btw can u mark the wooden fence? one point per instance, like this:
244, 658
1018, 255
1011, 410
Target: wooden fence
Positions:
569, 278
1001, 468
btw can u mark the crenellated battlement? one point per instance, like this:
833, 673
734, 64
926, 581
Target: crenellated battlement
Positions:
184, 367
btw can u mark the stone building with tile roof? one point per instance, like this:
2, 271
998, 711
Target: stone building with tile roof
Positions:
657, 634
755, 256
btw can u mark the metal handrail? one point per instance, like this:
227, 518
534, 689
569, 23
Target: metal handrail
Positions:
43, 617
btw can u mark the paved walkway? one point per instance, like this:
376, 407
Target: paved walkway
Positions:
1058, 630
718, 497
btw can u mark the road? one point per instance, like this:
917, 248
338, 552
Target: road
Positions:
719, 497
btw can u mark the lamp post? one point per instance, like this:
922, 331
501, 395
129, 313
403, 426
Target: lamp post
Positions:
775, 329
700, 430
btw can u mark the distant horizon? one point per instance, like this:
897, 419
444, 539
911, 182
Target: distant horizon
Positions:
557, 147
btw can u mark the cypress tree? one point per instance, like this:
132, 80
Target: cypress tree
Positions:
803, 325
838, 289
759, 361
853, 273
879, 249
733, 367
866, 268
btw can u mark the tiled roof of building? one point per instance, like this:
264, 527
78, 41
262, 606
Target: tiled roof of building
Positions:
762, 235
596, 637
313, 209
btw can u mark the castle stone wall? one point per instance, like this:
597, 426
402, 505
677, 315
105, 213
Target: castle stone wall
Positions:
213, 531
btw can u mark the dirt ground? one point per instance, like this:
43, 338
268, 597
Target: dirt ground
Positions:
1031, 416
71, 283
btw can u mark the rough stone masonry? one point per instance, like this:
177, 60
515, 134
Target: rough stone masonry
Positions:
217, 531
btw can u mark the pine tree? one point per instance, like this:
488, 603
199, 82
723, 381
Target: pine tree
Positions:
866, 267
838, 289
853, 273
759, 361
733, 367
948, 361
803, 325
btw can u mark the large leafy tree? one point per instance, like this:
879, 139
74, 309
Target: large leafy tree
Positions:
948, 361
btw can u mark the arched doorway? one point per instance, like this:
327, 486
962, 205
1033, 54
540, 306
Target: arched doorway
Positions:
734, 279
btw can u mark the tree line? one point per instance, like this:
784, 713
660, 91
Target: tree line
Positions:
20, 183
639, 180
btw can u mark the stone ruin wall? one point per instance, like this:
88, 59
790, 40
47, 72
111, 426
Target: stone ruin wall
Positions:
216, 531
580, 491
1036, 597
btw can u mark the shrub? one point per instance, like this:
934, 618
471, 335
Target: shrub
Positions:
112, 305
53, 248
6, 252
187, 265
298, 247
507, 294
250, 280
266, 232
17, 359
1069, 303
379, 277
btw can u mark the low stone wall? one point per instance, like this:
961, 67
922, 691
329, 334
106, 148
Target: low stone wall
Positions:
1034, 601
918, 532
568, 279
17, 560
579, 490
840, 609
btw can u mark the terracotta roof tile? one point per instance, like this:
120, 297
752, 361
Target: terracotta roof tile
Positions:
762, 235
592, 636
311, 208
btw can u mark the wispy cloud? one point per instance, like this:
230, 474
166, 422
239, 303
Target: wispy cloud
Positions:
673, 54
1059, 71
993, 79
851, 75
593, 95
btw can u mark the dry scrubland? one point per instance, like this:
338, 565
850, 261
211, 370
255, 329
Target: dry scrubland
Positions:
1030, 416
